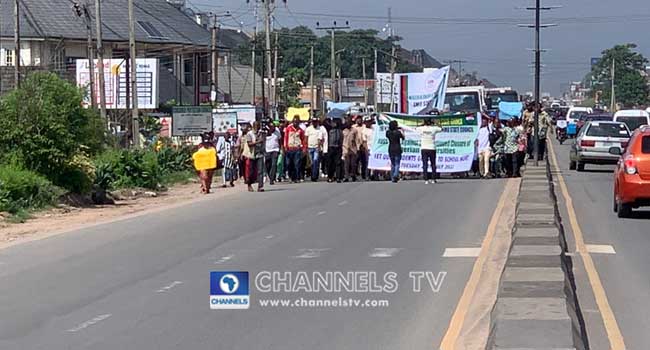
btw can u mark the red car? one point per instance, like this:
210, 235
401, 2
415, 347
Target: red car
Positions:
632, 175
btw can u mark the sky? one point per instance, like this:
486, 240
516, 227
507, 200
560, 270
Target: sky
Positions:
482, 32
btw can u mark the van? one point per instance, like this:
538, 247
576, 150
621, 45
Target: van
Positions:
465, 99
633, 118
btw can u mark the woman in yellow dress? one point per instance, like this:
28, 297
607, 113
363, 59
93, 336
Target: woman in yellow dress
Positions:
205, 162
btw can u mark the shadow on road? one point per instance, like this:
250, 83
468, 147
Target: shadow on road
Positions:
640, 215
598, 171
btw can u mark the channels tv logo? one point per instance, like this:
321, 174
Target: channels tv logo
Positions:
229, 290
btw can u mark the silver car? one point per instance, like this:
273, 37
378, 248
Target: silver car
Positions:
594, 142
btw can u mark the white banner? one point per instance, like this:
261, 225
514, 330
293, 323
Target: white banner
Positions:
425, 91
191, 120
116, 82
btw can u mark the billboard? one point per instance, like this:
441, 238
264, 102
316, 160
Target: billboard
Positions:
191, 120
116, 82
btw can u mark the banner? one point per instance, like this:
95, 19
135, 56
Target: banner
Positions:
224, 122
303, 113
115, 82
423, 92
509, 110
383, 88
454, 145
191, 120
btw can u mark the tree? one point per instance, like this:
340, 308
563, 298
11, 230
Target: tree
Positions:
290, 87
630, 85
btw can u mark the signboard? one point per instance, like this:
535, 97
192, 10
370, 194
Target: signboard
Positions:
383, 84
423, 92
116, 82
191, 120
454, 145
355, 88
166, 126
224, 123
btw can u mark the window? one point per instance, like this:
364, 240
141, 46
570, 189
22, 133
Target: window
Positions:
463, 102
151, 31
645, 145
188, 72
633, 123
9, 57
608, 130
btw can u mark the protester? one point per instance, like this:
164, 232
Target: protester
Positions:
428, 134
335, 152
522, 145
545, 126
205, 162
351, 143
528, 123
225, 147
325, 129
315, 142
240, 144
510, 144
395, 135
367, 133
484, 149
273, 147
254, 154
295, 146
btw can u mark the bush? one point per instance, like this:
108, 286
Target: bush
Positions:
173, 159
44, 128
23, 189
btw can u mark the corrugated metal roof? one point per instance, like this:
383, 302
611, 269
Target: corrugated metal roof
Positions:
57, 19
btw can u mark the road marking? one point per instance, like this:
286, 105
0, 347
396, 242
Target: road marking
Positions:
461, 252
224, 259
321, 213
269, 237
611, 326
89, 323
310, 253
384, 252
458, 318
168, 287
343, 203
600, 249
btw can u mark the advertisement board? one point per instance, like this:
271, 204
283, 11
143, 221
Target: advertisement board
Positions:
191, 120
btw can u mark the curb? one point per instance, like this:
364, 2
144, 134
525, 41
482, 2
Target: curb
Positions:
536, 306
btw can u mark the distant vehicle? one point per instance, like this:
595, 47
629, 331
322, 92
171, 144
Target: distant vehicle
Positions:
632, 175
594, 141
574, 113
634, 118
495, 96
596, 117
465, 99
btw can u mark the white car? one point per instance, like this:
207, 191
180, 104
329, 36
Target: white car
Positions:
575, 113
633, 118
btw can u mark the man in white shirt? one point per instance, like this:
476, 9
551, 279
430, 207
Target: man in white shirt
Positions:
428, 148
484, 150
315, 141
273, 146
367, 134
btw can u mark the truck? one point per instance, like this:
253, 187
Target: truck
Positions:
497, 95
465, 99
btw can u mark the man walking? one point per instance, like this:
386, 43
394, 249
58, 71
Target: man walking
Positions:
273, 147
335, 152
428, 149
294, 146
351, 144
484, 149
315, 143
362, 155
254, 154
545, 126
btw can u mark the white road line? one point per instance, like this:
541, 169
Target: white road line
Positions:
384, 252
343, 203
168, 287
600, 249
461, 252
224, 259
321, 213
269, 237
89, 323
310, 253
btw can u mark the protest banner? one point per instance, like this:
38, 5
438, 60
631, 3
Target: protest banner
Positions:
454, 145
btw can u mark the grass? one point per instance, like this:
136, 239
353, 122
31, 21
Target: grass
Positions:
178, 178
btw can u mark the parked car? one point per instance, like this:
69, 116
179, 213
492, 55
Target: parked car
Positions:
632, 175
594, 141
634, 118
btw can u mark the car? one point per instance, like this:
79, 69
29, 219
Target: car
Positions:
596, 116
634, 118
594, 142
632, 175
574, 113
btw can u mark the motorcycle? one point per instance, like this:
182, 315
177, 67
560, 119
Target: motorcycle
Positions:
561, 134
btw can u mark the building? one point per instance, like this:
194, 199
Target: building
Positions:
53, 37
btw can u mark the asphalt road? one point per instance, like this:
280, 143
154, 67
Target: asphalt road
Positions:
143, 283
624, 274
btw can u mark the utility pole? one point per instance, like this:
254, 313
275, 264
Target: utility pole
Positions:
613, 103
85, 12
100, 60
376, 81
332, 30
274, 109
17, 43
460, 68
134, 79
393, 65
538, 53
214, 96
267, 25
311, 81
253, 74
365, 88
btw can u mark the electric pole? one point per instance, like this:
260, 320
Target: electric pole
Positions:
267, 25
538, 66
253, 74
134, 79
17, 43
82, 10
214, 96
376, 81
274, 108
311, 81
100, 60
393, 65
332, 30
365, 88
613, 103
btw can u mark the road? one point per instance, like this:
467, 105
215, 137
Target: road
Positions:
624, 275
143, 282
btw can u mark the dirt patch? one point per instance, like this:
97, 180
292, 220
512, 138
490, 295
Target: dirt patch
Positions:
74, 215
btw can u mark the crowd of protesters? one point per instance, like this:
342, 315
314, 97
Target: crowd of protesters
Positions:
339, 150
